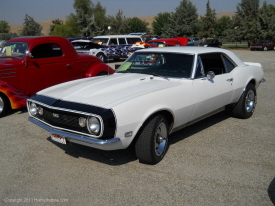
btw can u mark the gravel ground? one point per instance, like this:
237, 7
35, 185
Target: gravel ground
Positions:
218, 161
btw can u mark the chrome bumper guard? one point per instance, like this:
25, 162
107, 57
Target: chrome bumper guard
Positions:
100, 144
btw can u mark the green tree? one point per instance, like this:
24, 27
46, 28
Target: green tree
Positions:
208, 22
267, 21
183, 22
223, 24
4, 27
159, 22
118, 23
85, 6
100, 16
247, 22
136, 25
30, 27
55, 23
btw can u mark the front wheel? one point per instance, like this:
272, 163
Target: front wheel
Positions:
4, 105
265, 48
101, 56
246, 104
152, 143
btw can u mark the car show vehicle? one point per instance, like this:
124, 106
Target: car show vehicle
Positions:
117, 46
29, 64
263, 45
211, 43
91, 48
154, 93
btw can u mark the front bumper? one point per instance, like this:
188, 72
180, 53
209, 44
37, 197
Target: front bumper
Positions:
110, 144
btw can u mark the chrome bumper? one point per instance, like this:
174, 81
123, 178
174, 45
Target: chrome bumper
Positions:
110, 144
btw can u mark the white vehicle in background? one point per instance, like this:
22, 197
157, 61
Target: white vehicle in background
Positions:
155, 92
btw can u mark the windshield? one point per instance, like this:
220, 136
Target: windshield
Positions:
14, 49
157, 43
162, 64
101, 41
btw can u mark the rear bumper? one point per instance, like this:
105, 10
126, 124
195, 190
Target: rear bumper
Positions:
110, 144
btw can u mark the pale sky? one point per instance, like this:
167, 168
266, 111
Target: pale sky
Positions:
14, 11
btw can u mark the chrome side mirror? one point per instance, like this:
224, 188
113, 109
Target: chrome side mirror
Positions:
30, 55
210, 75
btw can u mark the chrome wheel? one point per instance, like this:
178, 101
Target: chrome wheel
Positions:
161, 139
1, 104
265, 49
250, 101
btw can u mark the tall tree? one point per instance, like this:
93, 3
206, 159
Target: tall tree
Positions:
136, 25
118, 23
100, 16
30, 27
4, 27
54, 23
208, 22
159, 22
223, 24
183, 22
247, 22
267, 21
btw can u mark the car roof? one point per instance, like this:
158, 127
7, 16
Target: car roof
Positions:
194, 50
117, 36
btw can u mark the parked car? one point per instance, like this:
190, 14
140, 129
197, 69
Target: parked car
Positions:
211, 43
29, 64
155, 92
263, 45
195, 40
91, 48
117, 46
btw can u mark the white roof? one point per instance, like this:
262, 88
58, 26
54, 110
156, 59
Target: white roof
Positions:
116, 36
194, 50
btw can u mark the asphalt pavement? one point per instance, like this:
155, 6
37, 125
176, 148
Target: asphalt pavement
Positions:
218, 161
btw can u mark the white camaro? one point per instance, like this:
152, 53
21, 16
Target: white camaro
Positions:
155, 92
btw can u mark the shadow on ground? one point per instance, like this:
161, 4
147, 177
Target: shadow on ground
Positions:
271, 191
120, 157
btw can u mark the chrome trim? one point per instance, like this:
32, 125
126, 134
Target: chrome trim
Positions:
73, 137
72, 111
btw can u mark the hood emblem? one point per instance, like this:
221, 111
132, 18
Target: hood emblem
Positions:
55, 115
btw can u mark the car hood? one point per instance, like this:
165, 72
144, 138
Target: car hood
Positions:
9, 62
108, 91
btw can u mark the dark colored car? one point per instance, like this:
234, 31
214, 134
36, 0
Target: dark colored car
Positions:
263, 45
211, 43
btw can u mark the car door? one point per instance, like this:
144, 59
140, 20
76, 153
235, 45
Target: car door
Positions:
211, 94
48, 66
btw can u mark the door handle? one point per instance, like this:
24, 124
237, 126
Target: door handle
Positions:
230, 80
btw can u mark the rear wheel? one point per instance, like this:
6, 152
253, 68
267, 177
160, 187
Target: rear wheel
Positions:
4, 105
246, 104
101, 56
152, 143
265, 48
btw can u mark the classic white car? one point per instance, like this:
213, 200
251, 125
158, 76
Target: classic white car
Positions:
155, 92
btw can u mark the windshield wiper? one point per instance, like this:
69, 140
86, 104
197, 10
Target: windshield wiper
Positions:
158, 75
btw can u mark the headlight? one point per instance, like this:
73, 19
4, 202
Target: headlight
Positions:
40, 110
82, 121
93, 125
33, 109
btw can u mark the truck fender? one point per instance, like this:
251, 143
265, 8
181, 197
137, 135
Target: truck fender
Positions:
16, 97
98, 68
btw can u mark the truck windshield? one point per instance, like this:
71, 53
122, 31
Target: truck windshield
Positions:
14, 49
163, 64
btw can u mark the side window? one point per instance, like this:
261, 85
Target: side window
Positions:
121, 41
199, 69
228, 64
213, 62
133, 40
113, 42
46, 51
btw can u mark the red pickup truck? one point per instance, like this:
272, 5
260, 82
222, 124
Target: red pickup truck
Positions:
30, 64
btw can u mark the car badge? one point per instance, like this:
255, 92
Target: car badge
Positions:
55, 115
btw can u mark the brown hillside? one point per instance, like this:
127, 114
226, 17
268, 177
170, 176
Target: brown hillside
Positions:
15, 28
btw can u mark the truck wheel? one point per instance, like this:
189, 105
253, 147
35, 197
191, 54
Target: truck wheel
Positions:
152, 143
101, 56
4, 104
246, 104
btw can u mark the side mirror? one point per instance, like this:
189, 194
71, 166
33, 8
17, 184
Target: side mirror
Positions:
30, 55
210, 75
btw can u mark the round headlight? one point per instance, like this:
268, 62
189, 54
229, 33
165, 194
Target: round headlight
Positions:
33, 109
40, 110
82, 121
93, 125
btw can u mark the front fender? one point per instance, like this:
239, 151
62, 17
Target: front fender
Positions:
16, 97
98, 68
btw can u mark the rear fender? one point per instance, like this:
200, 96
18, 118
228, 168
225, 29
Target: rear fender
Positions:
98, 68
16, 97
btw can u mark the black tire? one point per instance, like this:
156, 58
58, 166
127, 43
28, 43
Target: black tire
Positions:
102, 74
4, 105
102, 57
152, 143
246, 105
